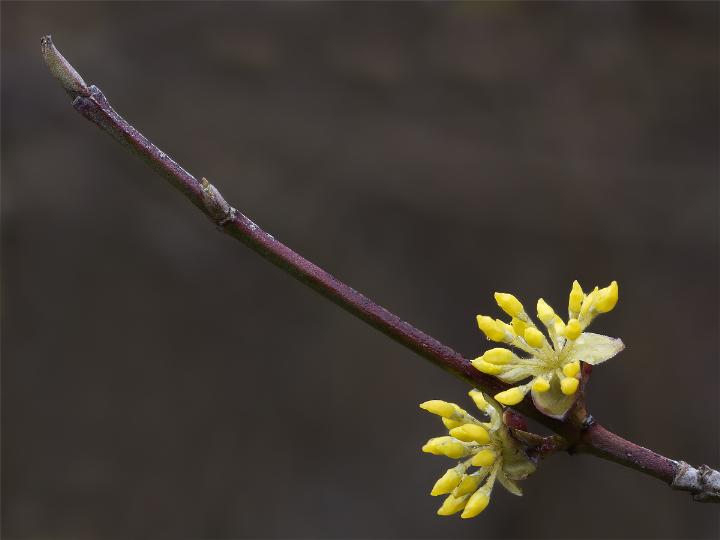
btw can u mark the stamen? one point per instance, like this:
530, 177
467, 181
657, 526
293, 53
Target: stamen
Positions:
569, 385
540, 385
571, 369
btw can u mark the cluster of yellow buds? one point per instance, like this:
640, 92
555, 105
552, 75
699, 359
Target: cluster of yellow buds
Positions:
488, 446
553, 366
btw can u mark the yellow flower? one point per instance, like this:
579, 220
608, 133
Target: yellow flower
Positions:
552, 367
487, 446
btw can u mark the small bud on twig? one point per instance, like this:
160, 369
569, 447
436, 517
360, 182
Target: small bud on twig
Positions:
215, 203
61, 69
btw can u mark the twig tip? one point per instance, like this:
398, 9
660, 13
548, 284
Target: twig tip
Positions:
61, 69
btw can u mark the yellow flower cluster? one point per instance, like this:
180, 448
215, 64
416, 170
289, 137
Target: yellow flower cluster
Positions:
488, 446
553, 366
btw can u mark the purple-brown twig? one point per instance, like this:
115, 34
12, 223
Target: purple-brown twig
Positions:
580, 433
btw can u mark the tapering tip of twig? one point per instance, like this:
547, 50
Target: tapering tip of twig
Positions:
61, 69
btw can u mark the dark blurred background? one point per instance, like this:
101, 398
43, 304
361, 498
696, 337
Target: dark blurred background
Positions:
161, 380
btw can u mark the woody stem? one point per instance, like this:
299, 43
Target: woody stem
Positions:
90, 102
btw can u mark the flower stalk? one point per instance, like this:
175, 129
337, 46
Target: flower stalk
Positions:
580, 432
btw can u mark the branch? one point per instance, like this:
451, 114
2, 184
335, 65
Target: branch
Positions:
580, 432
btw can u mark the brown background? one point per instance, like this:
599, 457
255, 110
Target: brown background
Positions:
160, 380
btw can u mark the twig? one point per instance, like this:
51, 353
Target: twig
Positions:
580, 432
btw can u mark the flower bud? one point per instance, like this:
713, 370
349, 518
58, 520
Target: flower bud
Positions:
544, 312
534, 337
513, 396
588, 304
450, 424
518, 326
607, 298
447, 482
446, 446
573, 329
476, 504
480, 401
484, 458
490, 328
498, 356
439, 407
452, 505
486, 367
469, 484
576, 298
509, 304
471, 433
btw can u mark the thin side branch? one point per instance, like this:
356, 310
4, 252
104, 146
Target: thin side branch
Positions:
579, 432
